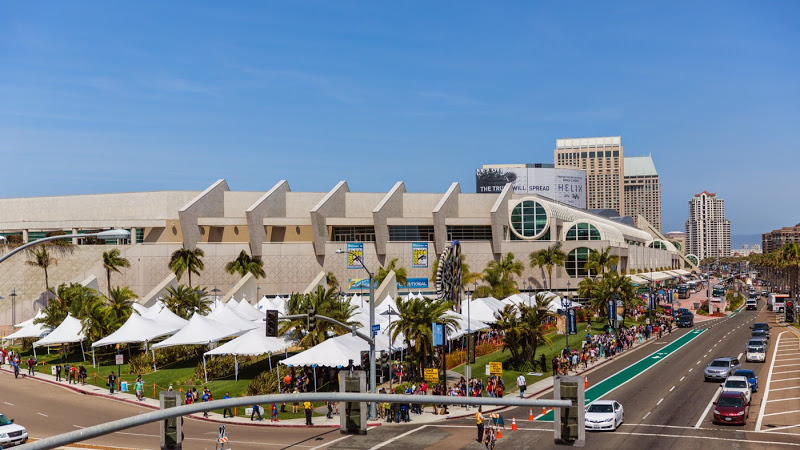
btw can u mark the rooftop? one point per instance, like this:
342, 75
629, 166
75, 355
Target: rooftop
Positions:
639, 166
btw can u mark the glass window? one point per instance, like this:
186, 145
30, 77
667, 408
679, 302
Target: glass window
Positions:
353, 234
583, 232
529, 219
408, 233
576, 262
469, 233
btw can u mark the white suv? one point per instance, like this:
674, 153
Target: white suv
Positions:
756, 351
737, 384
11, 433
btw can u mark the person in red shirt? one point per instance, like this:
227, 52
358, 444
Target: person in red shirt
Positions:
424, 388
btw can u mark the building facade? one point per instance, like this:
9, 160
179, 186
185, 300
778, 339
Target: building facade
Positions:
297, 235
642, 189
708, 232
564, 185
776, 239
603, 160
678, 238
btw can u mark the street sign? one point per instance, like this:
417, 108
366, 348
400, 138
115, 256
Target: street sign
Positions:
376, 327
432, 375
120, 360
374, 333
495, 368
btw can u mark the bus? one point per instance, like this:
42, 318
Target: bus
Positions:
683, 291
718, 293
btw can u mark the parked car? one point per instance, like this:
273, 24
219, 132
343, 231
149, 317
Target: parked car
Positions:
11, 433
738, 384
721, 368
731, 407
751, 376
756, 351
604, 415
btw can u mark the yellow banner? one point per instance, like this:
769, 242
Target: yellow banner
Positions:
432, 375
496, 368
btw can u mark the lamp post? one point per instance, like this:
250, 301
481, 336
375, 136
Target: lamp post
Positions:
389, 312
216, 292
566, 305
13, 306
372, 375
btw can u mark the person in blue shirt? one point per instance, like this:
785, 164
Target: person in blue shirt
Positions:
227, 411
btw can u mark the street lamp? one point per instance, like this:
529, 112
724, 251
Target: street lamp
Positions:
390, 312
372, 375
13, 306
106, 235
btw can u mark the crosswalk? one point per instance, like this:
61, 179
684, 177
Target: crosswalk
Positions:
780, 409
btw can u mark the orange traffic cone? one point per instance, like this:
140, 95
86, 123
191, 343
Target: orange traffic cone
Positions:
544, 411
513, 423
586, 382
499, 434
530, 415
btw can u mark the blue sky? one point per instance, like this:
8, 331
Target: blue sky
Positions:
113, 97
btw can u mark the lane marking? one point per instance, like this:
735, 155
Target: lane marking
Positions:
331, 442
9, 404
45, 415
691, 369
673, 387
780, 428
682, 378
787, 379
783, 389
645, 416
708, 408
400, 436
784, 399
785, 371
782, 412
659, 402
769, 379
78, 426
680, 436
789, 359
740, 355
788, 365
698, 362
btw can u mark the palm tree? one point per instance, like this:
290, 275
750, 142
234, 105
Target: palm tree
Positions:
400, 273
497, 275
112, 261
184, 301
331, 280
533, 320
547, 258
95, 325
324, 302
416, 317
67, 299
599, 261
244, 264
43, 260
508, 323
185, 260
120, 306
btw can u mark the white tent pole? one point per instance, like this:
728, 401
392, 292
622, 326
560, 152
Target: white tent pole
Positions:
204, 369
82, 352
315, 377
269, 355
154, 359
236, 367
94, 364
278, 368
34, 352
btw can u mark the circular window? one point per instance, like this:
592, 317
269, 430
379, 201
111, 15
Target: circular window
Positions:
657, 244
693, 259
583, 232
575, 264
529, 219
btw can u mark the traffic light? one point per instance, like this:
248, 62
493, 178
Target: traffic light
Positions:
471, 349
384, 360
789, 312
272, 323
312, 319
365, 360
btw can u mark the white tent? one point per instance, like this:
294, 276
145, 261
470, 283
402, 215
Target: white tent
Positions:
67, 333
253, 343
164, 315
227, 315
474, 325
39, 315
141, 309
199, 331
338, 351
137, 329
483, 309
33, 330
248, 311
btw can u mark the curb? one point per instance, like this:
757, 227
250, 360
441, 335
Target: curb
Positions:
192, 416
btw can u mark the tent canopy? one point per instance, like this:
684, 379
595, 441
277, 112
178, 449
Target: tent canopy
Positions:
227, 315
199, 331
137, 329
253, 343
340, 350
39, 315
248, 311
483, 309
68, 332
34, 330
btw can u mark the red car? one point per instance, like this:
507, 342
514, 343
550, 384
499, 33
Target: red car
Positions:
731, 407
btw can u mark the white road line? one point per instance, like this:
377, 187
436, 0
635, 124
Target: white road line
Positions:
9, 404
385, 443
787, 379
784, 399
659, 402
691, 369
785, 371
740, 355
708, 408
645, 416
789, 359
672, 389
681, 378
769, 379
78, 426
331, 442
783, 389
705, 355
780, 428
45, 415
782, 412
698, 362
788, 365
683, 436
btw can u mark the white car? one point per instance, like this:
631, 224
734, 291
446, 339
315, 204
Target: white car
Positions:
756, 351
604, 415
737, 384
11, 433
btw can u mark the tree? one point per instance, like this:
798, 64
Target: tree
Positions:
120, 306
497, 275
331, 280
414, 323
400, 273
244, 264
324, 302
112, 261
43, 260
508, 323
547, 258
185, 260
599, 261
533, 320
184, 301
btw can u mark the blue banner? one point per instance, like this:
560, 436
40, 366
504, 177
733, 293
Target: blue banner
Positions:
415, 283
355, 253
572, 322
438, 334
363, 283
612, 311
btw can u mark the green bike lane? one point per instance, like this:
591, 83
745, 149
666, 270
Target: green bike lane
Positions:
627, 374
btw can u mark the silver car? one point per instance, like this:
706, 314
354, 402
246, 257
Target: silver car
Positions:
721, 368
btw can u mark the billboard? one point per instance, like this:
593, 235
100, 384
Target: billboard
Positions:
564, 185
419, 255
355, 253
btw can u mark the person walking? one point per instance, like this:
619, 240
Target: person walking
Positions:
256, 412
479, 421
227, 411
112, 381
82, 375
329, 404
58, 372
522, 384
543, 360
554, 363
308, 409
139, 388
274, 415
31, 365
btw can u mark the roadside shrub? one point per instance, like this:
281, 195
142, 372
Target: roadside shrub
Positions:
219, 366
525, 366
264, 383
141, 363
27, 344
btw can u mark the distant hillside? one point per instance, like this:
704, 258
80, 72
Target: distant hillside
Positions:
737, 240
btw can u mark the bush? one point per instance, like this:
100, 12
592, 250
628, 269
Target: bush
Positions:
703, 309
27, 343
264, 383
219, 366
140, 363
525, 366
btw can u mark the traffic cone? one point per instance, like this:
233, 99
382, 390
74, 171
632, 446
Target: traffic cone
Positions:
544, 411
530, 415
513, 423
499, 434
586, 382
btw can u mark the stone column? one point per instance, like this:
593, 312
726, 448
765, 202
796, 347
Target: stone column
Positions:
74, 240
133, 235
24, 236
